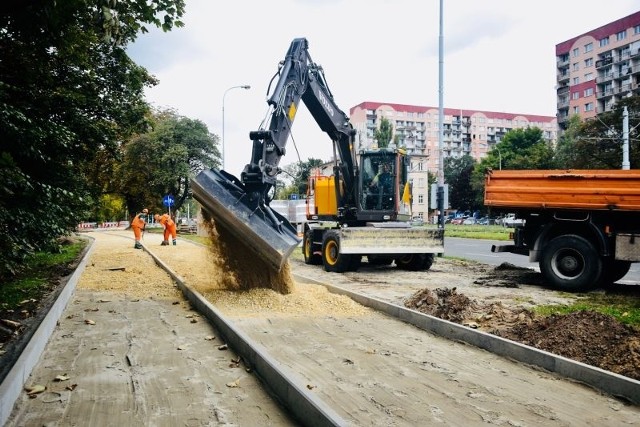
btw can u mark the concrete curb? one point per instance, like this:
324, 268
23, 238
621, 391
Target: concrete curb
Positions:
607, 382
14, 382
284, 385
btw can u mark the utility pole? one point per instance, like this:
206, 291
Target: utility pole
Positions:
625, 139
440, 193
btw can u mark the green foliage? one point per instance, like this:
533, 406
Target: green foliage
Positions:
490, 232
298, 178
68, 92
625, 308
33, 279
596, 143
384, 133
163, 160
519, 149
457, 173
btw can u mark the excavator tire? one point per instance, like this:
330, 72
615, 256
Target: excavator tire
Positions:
332, 259
412, 262
309, 249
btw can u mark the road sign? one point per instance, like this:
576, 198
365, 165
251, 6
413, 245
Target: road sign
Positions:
168, 200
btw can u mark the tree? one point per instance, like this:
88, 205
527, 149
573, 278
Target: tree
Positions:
519, 149
598, 141
457, 173
384, 133
163, 160
68, 91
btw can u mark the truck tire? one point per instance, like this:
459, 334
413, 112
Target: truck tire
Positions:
308, 249
411, 262
332, 259
613, 270
571, 263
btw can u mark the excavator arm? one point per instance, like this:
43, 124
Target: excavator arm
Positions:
242, 206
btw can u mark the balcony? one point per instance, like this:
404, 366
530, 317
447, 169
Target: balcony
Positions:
604, 62
563, 77
604, 93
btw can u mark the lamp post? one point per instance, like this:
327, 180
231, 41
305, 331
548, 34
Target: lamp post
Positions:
495, 147
223, 97
499, 156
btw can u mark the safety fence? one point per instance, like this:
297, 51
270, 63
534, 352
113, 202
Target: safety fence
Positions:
100, 225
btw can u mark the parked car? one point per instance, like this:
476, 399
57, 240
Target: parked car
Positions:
457, 221
470, 221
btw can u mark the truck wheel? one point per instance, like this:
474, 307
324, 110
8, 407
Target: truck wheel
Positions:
332, 259
571, 263
614, 270
308, 249
411, 262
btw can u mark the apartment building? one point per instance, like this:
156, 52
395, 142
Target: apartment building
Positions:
416, 128
597, 69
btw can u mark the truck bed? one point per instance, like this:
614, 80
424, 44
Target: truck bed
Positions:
563, 189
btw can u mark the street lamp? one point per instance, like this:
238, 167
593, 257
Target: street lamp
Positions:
223, 96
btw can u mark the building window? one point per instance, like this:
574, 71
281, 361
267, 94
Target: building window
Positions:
604, 41
576, 110
575, 95
636, 29
621, 35
588, 92
420, 199
588, 62
576, 52
588, 76
588, 47
588, 107
576, 80
576, 66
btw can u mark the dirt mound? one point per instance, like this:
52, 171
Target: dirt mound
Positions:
586, 336
450, 305
507, 275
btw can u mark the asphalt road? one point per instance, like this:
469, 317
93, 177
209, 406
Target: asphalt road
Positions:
480, 250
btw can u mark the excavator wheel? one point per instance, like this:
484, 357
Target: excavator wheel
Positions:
308, 249
356, 260
411, 262
332, 259
428, 261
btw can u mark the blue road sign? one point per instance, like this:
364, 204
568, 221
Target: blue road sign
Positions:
168, 200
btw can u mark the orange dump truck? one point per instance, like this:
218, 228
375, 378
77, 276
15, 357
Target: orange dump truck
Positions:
581, 226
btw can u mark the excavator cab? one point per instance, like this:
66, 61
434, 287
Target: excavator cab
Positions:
383, 178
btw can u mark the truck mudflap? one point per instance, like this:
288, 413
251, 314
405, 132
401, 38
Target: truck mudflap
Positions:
391, 240
264, 231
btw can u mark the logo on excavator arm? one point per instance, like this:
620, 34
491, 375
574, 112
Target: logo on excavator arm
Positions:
292, 111
325, 103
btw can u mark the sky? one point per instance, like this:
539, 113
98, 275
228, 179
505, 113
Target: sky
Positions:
499, 55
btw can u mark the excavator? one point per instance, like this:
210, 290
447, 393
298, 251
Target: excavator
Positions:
360, 206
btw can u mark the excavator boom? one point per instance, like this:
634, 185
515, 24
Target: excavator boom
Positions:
241, 206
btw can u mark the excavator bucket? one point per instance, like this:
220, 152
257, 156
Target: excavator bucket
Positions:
267, 233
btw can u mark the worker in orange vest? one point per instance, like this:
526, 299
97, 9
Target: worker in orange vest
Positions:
169, 228
137, 225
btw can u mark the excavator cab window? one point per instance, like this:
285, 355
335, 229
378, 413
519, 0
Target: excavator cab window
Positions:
378, 181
